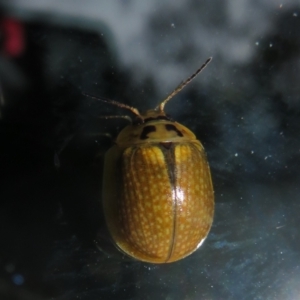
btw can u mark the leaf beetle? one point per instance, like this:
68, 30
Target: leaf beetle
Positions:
158, 197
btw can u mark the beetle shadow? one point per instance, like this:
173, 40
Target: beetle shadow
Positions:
80, 167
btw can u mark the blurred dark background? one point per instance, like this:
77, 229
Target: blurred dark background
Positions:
244, 107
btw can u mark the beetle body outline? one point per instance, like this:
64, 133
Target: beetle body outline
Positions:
158, 197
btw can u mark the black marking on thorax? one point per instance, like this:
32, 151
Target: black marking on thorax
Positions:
146, 131
171, 127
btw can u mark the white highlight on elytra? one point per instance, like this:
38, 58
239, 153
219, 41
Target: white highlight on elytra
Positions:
178, 194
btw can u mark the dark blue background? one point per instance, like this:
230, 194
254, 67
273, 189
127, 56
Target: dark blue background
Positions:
244, 107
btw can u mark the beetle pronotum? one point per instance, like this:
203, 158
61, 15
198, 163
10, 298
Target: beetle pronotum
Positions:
158, 196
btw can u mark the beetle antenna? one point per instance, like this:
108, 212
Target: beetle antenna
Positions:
161, 106
116, 103
125, 117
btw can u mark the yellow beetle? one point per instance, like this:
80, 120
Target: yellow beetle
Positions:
158, 196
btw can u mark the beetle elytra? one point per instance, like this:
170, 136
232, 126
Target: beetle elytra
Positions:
158, 197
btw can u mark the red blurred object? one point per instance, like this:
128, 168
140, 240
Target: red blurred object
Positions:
13, 37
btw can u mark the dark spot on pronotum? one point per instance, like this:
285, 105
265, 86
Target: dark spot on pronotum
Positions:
171, 127
146, 131
167, 145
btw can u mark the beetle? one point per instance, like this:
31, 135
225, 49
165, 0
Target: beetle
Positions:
158, 197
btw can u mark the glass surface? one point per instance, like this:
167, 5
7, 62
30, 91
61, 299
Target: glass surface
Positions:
244, 108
